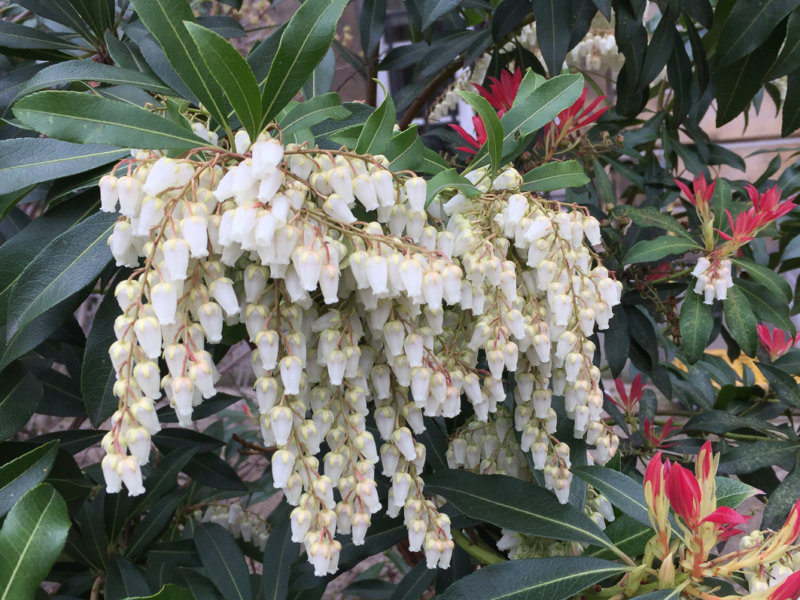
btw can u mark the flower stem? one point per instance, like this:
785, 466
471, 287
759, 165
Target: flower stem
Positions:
485, 556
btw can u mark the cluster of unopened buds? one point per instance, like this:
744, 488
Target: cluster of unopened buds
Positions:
357, 299
767, 559
240, 522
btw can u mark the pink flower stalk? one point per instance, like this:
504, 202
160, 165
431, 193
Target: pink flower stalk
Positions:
576, 116
726, 518
767, 205
503, 91
701, 193
657, 440
474, 144
683, 492
789, 589
776, 341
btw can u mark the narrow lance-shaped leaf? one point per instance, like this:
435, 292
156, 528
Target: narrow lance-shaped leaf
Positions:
33, 534
494, 130
554, 176
232, 73
378, 129
434, 9
305, 41
696, 323
534, 579
24, 472
449, 179
84, 118
659, 248
67, 264
97, 372
279, 554
27, 161
622, 491
313, 111
741, 321
21, 392
164, 19
223, 561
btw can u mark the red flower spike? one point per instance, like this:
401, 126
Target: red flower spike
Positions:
705, 459
792, 524
776, 341
657, 441
744, 228
654, 474
788, 590
474, 144
576, 116
683, 493
628, 401
502, 92
726, 518
768, 205
701, 194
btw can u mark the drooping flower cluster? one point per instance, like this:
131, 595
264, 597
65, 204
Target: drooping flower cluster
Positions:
356, 301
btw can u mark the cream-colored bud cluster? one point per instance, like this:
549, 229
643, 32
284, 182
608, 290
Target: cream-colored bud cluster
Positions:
536, 293
240, 522
358, 300
713, 278
519, 545
464, 78
761, 577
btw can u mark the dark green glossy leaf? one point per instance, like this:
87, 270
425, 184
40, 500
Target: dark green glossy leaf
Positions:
169, 592
414, 583
279, 554
405, 150
164, 19
26, 161
371, 25
781, 501
741, 321
32, 537
60, 12
514, 504
628, 535
766, 306
696, 324
748, 25
791, 107
233, 75
123, 580
303, 44
24, 472
97, 372
99, 14
20, 392
622, 491
659, 248
321, 79
789, 57
749, 457
223, 561
494, 130
209, 469
153, 523
79, 117
652, 217
554, 176
776, 284
732, 492
378, 129
313, 111
552, 24
670, 594
449, 179
533, 579
65, 265
434, 9
783, 384
19, 37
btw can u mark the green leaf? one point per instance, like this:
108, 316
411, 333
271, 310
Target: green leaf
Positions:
169, 592
164, 19
659, 248
539, 108
21, 474
313, 111
27, 161
405, 150
83, 70
153, 523
60, 12
209, 469
552, 25
652, 217
434, 9
671, 594
223, 561
79, 117
99, 14
21, 392
279, 554
97, 372
766, 306
741, 321
321, 79
554, 176
784, 385
371, 26
622, 491
789, 57
776, 284
378, 129
781, 501
449, 179
67, 264
748, 25
414, 583
303, 44
32, 537
515, 504
494, 130
732, 492
20, 37
123, 580
749, 457
233, 75
533, 579
696, 324
628, 535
